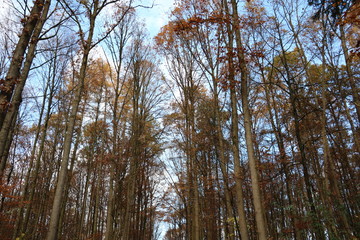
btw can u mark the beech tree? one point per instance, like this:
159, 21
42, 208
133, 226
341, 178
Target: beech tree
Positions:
240, 120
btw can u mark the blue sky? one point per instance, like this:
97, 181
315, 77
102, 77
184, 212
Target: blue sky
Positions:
154, 18
157, 16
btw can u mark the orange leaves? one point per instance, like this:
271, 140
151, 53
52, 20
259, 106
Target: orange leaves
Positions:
95, 129
97, 73
10, 203
187, 20
169, 33
166, 36
196, 20
257, 54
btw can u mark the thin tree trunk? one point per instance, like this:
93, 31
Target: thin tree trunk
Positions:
110, 209
330, 174
239, 175
56, 208
32, 174
283, 160
350, 73
223, 162
258, 206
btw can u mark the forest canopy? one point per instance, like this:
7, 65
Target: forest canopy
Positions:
238, 120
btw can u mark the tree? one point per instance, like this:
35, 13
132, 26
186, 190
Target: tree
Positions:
93, 10
9, 109
251, 133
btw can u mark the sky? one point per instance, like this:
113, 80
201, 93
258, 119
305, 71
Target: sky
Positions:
154, 17
157, 16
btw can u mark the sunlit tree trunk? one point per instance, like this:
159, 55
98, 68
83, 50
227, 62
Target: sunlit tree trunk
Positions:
239, 175
223, 163
56, 208
116, 45
256, 191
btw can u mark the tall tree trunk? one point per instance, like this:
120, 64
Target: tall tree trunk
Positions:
68, 178
294, 102
32, 175
7, 115
283, 159
329, 166
239, 175
223, 160
13, 74
350, 73
56, 208
256, 191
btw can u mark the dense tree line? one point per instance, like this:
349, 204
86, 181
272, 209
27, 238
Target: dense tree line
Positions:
241, 120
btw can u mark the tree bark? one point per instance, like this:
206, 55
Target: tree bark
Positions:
239, 175
256, 191
12, 78
8, 113
56, 208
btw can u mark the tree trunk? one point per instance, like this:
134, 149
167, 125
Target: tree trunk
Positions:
350, 73
13, 75
332, 185
256, 191
55, 213
7, 114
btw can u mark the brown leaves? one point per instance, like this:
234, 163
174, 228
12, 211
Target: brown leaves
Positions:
186, 22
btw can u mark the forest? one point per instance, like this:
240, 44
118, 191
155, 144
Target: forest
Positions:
239, 120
